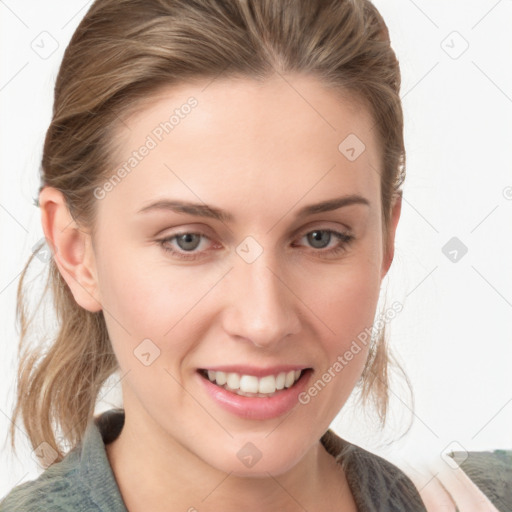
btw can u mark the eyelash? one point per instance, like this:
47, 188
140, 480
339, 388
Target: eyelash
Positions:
344, 240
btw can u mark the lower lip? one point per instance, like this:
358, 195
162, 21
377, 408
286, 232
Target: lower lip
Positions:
257, 408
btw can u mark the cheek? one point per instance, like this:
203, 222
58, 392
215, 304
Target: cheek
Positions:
131, 298
345, 297
345, 303
140, 293
150, 302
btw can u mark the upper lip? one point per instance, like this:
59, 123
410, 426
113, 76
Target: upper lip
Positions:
254, 370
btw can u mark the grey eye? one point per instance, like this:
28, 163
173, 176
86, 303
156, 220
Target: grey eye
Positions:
319, 238
186, 241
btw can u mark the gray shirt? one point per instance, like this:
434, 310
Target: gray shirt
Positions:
84, 481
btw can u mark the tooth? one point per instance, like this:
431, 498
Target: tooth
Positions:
280, 381
221, 378
233, 380
267, 384
289, 378
242, 393
252, 385
249, 384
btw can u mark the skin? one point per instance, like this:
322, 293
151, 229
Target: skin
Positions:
261, 151
445, 488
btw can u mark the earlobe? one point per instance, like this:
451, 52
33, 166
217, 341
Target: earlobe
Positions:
395, 216
71, 247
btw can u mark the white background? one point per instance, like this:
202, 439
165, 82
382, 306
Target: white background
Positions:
455, 331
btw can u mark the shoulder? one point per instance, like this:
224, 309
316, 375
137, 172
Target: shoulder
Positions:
491, 472
57, 489
82, 480
374, 481
384, 481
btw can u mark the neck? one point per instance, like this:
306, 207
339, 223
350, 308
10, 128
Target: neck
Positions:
161, 475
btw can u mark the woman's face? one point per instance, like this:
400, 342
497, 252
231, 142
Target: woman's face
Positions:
268, 287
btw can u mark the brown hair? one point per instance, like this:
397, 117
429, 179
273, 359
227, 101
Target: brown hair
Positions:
124, 51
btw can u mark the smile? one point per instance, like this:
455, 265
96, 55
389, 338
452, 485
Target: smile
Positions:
250, 385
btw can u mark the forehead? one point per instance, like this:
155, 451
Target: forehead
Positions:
272, 139
287, 101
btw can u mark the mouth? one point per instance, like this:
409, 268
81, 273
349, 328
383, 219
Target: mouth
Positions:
252, 386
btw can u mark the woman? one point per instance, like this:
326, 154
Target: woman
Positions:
221, 191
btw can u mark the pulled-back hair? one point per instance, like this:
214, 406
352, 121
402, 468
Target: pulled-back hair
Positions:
122, 53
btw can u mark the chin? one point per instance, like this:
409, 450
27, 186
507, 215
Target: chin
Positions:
249, 461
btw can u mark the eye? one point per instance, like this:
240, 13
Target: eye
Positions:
320, 238
187, 242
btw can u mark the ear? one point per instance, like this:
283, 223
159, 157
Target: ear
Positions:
396, 209
71, 247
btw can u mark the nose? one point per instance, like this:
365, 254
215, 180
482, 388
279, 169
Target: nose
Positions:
262, 306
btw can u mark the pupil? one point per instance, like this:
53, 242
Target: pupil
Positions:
318, 235
186, 238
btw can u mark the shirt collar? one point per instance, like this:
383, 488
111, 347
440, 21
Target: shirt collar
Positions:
95, 470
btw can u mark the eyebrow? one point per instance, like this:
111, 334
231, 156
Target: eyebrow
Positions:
204, 210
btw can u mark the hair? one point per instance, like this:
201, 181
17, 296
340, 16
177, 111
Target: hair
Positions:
124, 52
